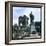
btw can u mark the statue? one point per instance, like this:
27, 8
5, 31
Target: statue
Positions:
32, 25
31, 18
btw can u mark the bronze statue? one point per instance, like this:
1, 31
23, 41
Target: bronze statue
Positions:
31, 18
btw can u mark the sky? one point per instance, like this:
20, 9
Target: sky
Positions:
20, 11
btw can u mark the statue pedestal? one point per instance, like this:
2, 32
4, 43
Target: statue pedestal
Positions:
33, 28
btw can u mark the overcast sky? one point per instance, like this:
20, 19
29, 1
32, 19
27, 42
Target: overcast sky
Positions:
20, 11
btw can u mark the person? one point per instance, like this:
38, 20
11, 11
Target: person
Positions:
31, 18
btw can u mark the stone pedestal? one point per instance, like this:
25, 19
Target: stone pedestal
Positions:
33, 28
